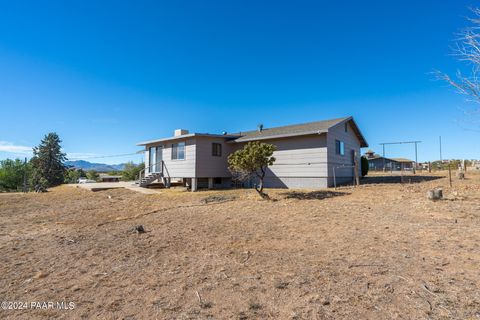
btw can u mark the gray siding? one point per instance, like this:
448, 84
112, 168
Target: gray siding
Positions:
209, 166
177, 168
301, 162
352, 143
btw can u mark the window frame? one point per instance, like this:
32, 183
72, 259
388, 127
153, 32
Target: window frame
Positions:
216, 147
176, 150
339, 147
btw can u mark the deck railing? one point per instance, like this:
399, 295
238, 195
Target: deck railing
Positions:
163, 170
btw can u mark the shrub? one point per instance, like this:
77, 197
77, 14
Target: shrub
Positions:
364, 165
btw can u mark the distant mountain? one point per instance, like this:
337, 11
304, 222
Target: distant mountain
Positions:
99, 167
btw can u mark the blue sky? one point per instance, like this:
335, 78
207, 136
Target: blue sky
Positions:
107, 74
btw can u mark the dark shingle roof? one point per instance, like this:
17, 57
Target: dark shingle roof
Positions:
401, 160
308, 128
298, 130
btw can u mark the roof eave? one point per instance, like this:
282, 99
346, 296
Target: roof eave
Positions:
279, 136
144, 143
363, 141
190, 135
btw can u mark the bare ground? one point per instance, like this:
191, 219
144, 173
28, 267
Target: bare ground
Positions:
381, 251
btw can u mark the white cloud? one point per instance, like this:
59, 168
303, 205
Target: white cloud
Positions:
9, 147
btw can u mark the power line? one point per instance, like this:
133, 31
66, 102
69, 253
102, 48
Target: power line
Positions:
105, 156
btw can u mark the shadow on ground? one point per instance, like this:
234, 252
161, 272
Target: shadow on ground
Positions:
397, 179
313, 195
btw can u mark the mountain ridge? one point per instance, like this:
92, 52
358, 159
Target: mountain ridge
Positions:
99, 167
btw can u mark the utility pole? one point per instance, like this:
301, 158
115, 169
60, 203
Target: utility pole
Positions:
383, 157
416, 158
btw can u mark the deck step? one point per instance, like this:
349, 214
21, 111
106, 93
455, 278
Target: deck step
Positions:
149, 178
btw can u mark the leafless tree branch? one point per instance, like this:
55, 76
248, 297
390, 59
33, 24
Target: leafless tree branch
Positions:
467, 50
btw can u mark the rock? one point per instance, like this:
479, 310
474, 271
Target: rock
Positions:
39, 275
138, 229
435, 194
279, 284
461, 175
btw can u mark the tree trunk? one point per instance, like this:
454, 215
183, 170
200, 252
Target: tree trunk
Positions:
259, 188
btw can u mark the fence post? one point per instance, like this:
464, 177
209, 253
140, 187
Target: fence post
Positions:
334, 179
357, 178
450, 174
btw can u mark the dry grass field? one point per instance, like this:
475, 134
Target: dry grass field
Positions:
380, 251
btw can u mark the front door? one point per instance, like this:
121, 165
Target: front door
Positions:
159, 158
152, 159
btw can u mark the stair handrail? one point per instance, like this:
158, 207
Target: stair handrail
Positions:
141, 174
165, 170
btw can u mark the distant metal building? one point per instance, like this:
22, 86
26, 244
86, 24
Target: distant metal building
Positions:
378, 163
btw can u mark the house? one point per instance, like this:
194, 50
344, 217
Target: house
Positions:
306, 157
379, 163
476, 165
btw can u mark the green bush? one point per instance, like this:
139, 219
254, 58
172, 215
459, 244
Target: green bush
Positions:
72, 175
364, 165
12, 174
92, 175
131, 171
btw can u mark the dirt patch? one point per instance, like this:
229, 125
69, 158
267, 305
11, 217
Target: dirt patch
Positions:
375, 252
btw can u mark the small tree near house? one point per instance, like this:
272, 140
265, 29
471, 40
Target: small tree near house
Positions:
252, 161
364, 166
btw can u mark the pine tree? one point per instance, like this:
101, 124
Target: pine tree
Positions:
252, 161
48, 162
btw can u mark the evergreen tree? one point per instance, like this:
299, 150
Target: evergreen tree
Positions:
48, 162
252, 161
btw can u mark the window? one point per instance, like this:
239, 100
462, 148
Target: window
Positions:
339, 147
217, 180
216, 149
178, 151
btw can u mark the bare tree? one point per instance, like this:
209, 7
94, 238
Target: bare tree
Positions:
467, 50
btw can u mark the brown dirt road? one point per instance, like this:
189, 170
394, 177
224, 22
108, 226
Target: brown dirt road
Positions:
381, 251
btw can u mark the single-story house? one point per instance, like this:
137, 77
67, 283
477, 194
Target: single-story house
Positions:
308, 155
378, 163
476, 165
